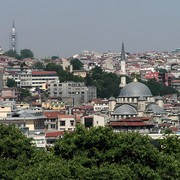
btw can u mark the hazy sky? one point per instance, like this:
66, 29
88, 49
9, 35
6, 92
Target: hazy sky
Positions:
66, 27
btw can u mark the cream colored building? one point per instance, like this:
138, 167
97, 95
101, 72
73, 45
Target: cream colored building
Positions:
66, 122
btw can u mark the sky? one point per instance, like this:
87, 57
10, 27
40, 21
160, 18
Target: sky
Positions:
67, 27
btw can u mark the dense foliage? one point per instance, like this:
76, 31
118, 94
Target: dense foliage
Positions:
159, 88
77, 64
24, 53
107, 84
97, 153
11, 83
62, 74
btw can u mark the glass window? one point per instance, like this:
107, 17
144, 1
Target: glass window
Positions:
62, 123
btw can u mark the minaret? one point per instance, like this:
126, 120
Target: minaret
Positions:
13, 37
123, 67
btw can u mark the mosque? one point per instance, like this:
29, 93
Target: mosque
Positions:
135, 99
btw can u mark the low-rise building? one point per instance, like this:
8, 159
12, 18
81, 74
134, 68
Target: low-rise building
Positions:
66, 122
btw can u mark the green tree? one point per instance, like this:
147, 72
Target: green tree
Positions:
24, 94
12, 53
39, 65
54, 57
26, 53
11, 83
77, 64
62, 74
159, 88
53, 67
107, 84
161, 70
102, 154
15, 151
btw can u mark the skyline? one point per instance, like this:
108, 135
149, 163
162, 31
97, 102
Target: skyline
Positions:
68, 27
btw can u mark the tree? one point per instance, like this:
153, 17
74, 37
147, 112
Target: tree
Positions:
63, 75
107, 84
53, 67
15, 151
12, 53
85, 154
54, 57
158, 88
77, 64
102, 154
24, 94
11, 82
161, 70
38, 65
26, 53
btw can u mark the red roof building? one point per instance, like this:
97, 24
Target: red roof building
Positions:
133, 124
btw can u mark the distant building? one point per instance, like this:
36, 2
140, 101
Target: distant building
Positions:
30, 79
66, 122
77, 90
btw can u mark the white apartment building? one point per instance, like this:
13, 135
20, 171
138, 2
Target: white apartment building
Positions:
30, 79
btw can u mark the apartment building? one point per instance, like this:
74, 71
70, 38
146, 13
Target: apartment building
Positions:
30, 79
66, 122
76, 90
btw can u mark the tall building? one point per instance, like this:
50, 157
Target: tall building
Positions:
76, 90
123, 67
13, 37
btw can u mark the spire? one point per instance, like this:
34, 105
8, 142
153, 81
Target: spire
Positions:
123, 57
13, 26
13, 37
123, 67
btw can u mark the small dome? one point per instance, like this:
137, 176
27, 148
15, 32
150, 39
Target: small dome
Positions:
135, 89
155, 109
125, 109
112, 99
158, 98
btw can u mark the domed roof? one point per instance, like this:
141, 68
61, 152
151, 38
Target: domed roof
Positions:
112, 99
155, 109
125, 109
135, 89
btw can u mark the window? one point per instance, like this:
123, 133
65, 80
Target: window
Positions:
53, 126
62, 123
72, 123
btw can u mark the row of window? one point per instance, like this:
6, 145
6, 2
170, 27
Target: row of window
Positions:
63, 123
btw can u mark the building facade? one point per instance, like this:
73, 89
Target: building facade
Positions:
76, 90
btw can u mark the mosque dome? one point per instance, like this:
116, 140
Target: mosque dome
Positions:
135, 89
155, 109
125, 109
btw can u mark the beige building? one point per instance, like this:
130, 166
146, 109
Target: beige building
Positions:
53, 105
66, 122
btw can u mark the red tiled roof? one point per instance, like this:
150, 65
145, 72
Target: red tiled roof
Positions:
130, 123
66, 116
44, 73
52, 114
164, 125
86, 107
55, 134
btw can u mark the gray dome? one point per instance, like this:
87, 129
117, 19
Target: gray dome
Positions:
112, 99
135, 89
155, 109
125, 109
